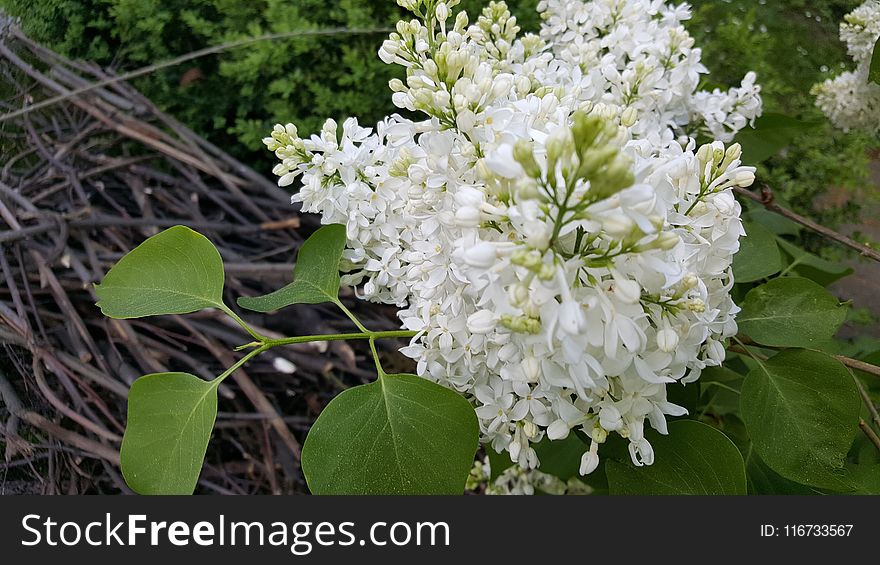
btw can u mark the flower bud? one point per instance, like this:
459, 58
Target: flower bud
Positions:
522, 152
667, 340
482, 255
442, 12
481, 322
468, 217
589, 462
558, 430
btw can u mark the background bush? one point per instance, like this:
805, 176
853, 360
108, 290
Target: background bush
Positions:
234, 98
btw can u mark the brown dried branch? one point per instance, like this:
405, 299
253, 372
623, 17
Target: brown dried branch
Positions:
767, 199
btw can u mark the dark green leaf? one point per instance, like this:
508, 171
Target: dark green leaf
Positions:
170, 418
772, 133
764, 480
801, 409
790, 312
498, 462
400, 435
779, 225
874, 71
865, 478
561, 458
812, 266
315, 276
693, 459
177, 271
758, 256
720, 391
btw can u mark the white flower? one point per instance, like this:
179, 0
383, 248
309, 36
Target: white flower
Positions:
559, 243
851, 100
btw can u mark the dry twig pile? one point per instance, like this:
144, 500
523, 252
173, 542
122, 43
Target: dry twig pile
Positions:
81, 183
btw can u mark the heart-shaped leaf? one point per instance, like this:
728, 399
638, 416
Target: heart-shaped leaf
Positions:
801, 409
315, 276
693, 459
790, 312
399, 435
177, 271
758, 256
170, 418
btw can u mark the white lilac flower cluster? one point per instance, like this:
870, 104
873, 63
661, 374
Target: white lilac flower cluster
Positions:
850, 100
551, 230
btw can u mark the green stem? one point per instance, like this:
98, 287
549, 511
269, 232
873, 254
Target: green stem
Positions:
238, 364
339, 337
351, 316
256, 335
379, 368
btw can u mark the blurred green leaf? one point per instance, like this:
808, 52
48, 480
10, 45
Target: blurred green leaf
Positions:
772, 133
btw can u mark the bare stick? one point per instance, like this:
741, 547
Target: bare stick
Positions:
767, 200
872, 435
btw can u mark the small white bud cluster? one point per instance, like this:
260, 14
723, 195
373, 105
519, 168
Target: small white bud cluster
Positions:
851, 100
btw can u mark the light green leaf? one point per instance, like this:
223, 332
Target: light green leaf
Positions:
801, 409
772, 133
177, 271
399, 435
315, 276
693, 459
874, 71
170, 418
758, 256
790, 312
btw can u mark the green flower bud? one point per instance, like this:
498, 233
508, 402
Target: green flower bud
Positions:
522, 152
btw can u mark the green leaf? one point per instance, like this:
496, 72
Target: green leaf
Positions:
765, 481
561, 458
720, 391
874, 71
758, 256
693, 459
399, 435
790, 312
177, 271
801, 409
865, 478
779, 225
498, 462
772, 133
812, 266
170, 418
315, 276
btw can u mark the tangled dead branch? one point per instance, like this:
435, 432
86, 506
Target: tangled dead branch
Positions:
81, 183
